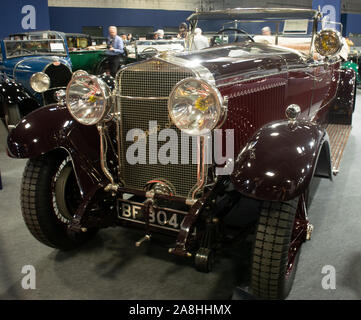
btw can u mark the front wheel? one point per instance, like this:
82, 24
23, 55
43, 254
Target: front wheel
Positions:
49, 198
281, 230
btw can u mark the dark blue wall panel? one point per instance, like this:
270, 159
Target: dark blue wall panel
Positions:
12, 19
68, 19
351, 23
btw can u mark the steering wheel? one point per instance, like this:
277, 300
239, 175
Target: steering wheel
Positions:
238, 31
150, 50
20, 51
147, 53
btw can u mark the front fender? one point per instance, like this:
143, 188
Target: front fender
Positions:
13, 93
41, 131
52, 127
279, 161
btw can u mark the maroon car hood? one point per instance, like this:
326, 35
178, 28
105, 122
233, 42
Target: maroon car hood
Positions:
243, 61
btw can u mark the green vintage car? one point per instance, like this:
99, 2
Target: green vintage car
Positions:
88, 60
84, 54
350, 64
89, 53
354, 57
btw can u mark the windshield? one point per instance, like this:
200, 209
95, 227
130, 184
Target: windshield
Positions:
159, 42
355, 42
158, 46
77, 42
294, 34
19, 48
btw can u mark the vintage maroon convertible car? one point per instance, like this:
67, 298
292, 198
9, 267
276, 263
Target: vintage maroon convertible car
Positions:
183, 138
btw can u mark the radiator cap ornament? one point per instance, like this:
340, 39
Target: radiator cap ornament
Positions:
292, 112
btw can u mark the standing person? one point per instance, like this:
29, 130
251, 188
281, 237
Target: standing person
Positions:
266, 31
182, 31
265, 37
124, 38
115, 50
159, 34
199, 40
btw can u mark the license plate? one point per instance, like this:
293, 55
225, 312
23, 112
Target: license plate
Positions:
159, 217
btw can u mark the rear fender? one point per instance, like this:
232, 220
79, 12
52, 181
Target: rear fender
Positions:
52, 127
280, 160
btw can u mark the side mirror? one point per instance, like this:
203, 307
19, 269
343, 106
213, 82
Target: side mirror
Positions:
328, 42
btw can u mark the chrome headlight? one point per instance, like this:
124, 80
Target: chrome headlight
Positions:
195, 106
328, 42
40, 82
79, 73
88, 99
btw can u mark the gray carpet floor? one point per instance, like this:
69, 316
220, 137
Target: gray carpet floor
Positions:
111, 267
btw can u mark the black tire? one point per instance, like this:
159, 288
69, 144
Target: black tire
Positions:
102, 67
272, 277
49, 197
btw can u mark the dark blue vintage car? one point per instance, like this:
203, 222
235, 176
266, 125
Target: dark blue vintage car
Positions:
35, 68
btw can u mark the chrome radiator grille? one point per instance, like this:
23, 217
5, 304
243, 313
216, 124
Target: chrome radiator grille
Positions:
151, 79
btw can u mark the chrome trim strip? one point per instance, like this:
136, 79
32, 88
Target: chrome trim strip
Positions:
59, 62
16, 66
142, 98
120, 144
103, 160
251, 79
201, 166
56, 88
224, 111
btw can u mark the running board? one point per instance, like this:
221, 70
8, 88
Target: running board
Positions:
338, 134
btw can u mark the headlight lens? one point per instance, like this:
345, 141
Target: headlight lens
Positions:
87, 99
328, 42
40, 82
79, 73
195, 106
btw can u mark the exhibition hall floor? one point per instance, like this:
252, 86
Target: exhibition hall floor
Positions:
111, 267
